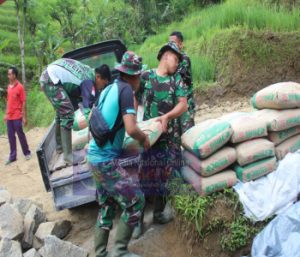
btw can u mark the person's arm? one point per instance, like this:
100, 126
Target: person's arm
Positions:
176, 112
23, 101
133, 131
129, 118
88, 93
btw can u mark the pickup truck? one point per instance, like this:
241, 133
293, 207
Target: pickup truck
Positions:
74, 186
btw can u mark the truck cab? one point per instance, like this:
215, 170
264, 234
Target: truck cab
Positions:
74, 186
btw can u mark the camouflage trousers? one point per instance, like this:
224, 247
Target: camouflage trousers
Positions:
115, 186
159, 165
60, 100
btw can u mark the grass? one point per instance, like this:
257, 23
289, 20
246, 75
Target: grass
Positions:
220, 213
202, 27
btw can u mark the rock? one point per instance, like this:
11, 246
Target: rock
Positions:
5, 197
33, 218
59, 229
37, 244
31, 253
55, 247
22, 205
10, 248
11, 222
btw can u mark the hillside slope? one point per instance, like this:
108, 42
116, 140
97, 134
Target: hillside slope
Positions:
240, 46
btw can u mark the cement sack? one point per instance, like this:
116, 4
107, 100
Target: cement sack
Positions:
80, 139
284, 95
280, 136
255, 170
213, 164
81, 120
278, 120
150, 127
207, 137
289, 146
206, 186
254, 150
245, 126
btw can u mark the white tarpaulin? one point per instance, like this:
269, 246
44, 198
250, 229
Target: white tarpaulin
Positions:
273, 193
281, 237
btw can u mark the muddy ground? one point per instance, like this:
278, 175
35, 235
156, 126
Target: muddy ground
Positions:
23, 180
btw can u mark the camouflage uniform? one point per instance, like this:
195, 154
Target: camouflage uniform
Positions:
159, 96
65, 96
116, 186
186, 121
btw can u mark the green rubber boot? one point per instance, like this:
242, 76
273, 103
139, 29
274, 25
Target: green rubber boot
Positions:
100, 241
139, 228
159, 216
66, 139
123, 236
59, 148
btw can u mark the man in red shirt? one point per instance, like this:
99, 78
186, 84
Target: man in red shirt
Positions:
16, 116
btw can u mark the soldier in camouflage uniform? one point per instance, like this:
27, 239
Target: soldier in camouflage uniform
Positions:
67, 82
186, 121
114, 184
163, 95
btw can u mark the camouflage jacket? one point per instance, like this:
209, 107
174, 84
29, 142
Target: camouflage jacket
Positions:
159, 95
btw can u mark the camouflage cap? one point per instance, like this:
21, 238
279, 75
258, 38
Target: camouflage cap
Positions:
170, 46
131, 64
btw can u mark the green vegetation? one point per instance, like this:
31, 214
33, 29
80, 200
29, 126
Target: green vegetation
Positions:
229, 42
209, 37
219, 214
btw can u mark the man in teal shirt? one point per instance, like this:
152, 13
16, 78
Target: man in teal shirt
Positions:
113, 183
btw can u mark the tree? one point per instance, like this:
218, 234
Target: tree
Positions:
64, 12
21, 10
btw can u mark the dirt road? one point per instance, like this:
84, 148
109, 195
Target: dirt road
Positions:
23, 180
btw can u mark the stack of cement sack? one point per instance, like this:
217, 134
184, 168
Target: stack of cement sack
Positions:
279, 106
255, 154
206, 158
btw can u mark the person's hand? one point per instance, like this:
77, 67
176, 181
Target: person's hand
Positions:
24, 121
164, 122
146, 143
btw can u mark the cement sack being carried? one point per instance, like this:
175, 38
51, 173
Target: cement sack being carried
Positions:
254, 150
289, 146
278, 120
206, 137
206, 186
80, 138
150, 127
81, 119
213, 164
280, 136
284, 95
245, 126
255, 170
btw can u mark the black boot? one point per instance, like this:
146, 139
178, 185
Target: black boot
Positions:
159, 216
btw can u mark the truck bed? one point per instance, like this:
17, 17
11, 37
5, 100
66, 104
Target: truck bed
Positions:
71, 186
